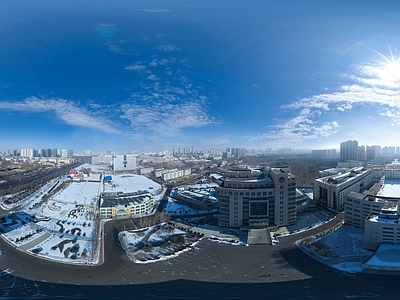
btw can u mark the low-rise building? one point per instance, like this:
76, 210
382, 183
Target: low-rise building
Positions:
359, 206
377, 212
331, 191
120, 204
176, 174
382, 227
196, 199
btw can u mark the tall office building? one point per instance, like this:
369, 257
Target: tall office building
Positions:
251, 198
349, 150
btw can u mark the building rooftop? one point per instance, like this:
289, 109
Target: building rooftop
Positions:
379, 218
342, 177
121, 199
390, 188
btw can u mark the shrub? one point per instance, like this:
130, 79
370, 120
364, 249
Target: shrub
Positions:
177, 239
148, 248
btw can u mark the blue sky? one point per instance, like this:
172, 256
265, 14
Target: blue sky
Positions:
126, 75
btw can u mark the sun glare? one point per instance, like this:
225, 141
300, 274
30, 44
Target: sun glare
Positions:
393, 67
390, 66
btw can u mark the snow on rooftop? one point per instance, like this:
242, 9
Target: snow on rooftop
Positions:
390, 188
128, 183
377, 218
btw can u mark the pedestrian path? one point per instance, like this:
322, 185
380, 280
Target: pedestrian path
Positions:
35, 242
207, 231
259, 236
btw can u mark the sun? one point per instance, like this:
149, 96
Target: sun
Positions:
388, 69
390, 65
393, 68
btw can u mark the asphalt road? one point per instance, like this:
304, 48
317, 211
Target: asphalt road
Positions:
213, 271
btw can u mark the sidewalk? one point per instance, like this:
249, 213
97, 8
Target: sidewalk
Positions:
207, 230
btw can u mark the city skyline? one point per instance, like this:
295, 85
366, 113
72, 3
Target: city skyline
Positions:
234, 151
157, 76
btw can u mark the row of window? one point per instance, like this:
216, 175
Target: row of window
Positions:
245, 193
245, 186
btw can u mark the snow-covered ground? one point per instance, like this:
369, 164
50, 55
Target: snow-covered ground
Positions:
155, 243
342, 248
304, 221
65, 226
386, 255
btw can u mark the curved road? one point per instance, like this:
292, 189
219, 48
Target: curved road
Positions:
211, 271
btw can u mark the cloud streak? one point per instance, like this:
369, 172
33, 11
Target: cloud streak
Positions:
64, 110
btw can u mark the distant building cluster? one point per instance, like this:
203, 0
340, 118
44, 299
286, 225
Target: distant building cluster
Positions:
235, 152
350, 150
31, 153
324, 153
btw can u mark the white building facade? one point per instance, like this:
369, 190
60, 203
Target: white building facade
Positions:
124, 163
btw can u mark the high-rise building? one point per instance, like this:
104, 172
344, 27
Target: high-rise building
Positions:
251, 198
378, 150
63, 153
370, 153
349, 150
361, 153
27, 153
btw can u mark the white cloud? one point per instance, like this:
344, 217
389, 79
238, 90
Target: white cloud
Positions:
165, 118
139, 67
168, 48
153, 77
372, 86
64, 110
